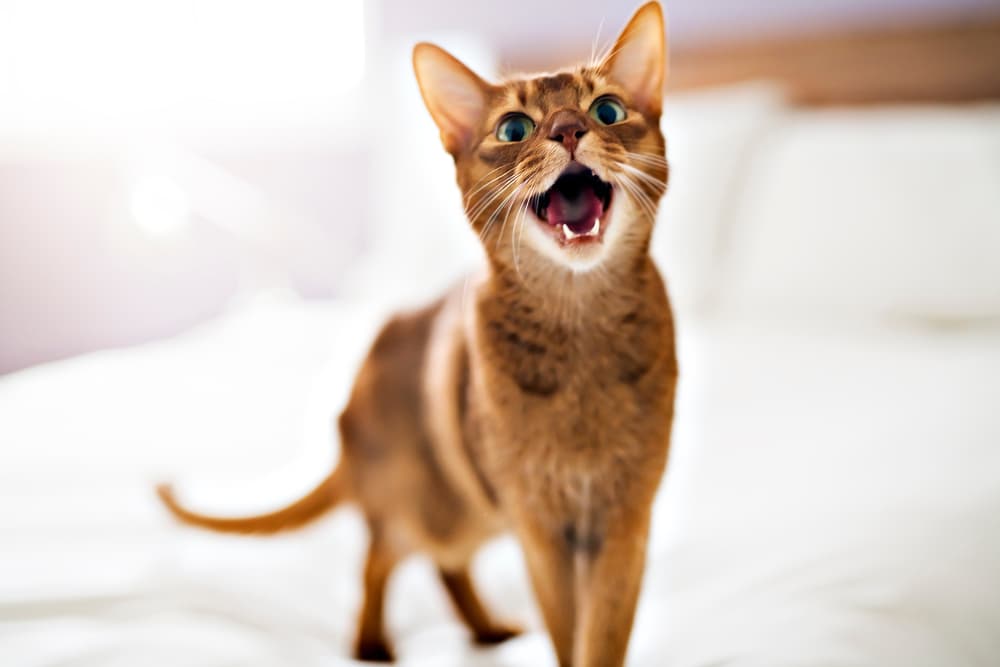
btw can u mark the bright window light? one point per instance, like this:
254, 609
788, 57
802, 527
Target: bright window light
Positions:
128, 66
160, 207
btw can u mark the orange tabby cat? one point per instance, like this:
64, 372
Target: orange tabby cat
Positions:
540, 399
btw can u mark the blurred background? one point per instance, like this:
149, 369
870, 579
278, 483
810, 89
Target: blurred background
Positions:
208, 207
159, 158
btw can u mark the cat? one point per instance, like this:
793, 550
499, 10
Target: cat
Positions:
539, 397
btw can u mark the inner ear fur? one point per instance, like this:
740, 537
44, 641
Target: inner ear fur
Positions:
455, 96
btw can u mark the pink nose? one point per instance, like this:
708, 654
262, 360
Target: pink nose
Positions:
568, 128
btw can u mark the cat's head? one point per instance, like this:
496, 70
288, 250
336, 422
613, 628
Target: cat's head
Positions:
567, 167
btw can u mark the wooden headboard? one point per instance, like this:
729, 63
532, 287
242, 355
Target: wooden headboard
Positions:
952, 62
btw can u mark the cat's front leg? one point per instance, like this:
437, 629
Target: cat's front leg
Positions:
549, 559
609, 576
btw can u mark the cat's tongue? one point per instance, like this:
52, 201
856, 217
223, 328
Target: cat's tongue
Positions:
579, 210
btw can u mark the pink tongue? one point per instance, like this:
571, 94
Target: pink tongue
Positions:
579, 213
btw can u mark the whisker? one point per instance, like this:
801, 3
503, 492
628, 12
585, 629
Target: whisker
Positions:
655, 182
505, 204
639, 173
635, 193
488, 201
610, 53
639, 196
519, 223
594, 51
647, 158
484, 183
507, 178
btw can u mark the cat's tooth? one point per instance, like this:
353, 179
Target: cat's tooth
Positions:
568, 233
597, 228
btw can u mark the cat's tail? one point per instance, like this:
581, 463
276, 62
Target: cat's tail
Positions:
327, 494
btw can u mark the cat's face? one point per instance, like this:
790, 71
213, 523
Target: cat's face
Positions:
565, 168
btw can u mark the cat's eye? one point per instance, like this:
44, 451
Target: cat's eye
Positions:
607, 111
515, 128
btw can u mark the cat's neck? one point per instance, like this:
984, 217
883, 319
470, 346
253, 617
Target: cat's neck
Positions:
563, 297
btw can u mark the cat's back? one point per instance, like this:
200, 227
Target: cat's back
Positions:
403, 436
387, 395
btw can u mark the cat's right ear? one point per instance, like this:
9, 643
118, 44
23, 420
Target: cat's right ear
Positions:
454, 95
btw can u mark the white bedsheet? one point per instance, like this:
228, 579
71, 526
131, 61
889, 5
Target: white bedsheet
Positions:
833, 500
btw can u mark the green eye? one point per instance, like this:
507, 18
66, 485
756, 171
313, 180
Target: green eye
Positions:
607, 111
515, 128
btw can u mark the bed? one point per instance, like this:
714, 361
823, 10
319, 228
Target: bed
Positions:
833, 496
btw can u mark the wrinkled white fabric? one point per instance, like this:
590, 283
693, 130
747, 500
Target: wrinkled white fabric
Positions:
832, 500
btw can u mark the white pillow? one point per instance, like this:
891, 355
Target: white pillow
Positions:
710, 135
889, 213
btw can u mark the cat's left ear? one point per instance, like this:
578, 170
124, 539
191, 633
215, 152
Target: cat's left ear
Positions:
454, 95
638, 60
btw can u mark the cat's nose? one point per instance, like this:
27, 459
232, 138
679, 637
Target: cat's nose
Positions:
568, 128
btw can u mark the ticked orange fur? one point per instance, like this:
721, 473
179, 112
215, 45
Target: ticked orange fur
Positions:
539, 397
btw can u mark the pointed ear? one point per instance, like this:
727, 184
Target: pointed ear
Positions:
454, 95
638, 60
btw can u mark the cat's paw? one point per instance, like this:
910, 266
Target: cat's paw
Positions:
373, 652
496, 634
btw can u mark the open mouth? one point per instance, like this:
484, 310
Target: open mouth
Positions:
575, 206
